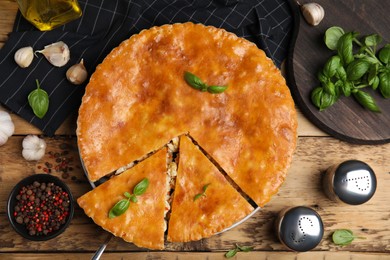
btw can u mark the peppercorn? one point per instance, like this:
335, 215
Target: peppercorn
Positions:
42, 208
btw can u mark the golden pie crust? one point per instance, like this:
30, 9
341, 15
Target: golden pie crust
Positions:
143, 223
220, 207
137, 100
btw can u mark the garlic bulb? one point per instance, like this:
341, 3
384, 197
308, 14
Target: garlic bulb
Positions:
33, 148
77, 74
57, 53
7, 127
313, 13
24, 56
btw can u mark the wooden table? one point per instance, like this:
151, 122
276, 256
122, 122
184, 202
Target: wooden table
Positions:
315, 153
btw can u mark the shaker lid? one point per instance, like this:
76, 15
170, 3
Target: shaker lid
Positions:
354, 182
301, 229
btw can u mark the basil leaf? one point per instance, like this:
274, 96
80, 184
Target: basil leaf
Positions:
216, 89
384, 83
321, 77
346, 88
372, 40
127, 195
338, 87
119, 208
345, 48
316, 96
203, 194
372, 72
194, 81
38, 100
384, 54
341, 73
332, 36
366, 100
133, 198
198, 196
141, 187
343, 237
329, 88
327, 101
231, 253
245, 248
356, 69
321, 99
375, 83
331, 66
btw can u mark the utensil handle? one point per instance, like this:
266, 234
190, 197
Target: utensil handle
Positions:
101, 249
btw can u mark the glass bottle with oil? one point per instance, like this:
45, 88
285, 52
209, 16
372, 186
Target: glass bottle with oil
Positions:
48, 14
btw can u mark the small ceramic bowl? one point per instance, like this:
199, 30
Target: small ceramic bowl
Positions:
12, 203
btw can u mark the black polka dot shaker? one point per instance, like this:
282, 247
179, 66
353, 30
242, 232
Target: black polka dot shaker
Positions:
299, 228
352, 182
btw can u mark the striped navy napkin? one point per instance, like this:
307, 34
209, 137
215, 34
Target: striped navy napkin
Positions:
104, 24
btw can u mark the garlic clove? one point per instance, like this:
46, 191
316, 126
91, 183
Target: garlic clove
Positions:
3, 138
24, 56
313, 13
57, 53
7, 127
33, 148
77, 74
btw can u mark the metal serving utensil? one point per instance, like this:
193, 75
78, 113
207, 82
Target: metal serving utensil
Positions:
101, 249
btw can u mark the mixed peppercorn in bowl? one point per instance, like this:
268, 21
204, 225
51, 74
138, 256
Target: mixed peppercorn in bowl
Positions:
40, 207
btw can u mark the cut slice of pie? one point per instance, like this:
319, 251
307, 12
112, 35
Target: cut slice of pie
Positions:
143, 223
204, 202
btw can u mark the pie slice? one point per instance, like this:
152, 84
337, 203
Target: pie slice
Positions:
204, 202
143, 223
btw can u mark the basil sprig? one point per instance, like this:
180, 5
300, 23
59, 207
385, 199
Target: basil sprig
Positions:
238, 248
343, 237
354, 67
196, 83
121, 206
203, 194
38, 100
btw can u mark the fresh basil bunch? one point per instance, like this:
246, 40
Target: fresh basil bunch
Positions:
355, 66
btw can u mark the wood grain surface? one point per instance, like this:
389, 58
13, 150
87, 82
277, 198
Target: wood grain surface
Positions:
316, 151
346, 119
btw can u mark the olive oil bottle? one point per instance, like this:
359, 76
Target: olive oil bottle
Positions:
48, 14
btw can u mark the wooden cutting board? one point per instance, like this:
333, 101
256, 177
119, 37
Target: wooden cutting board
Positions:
346, 119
